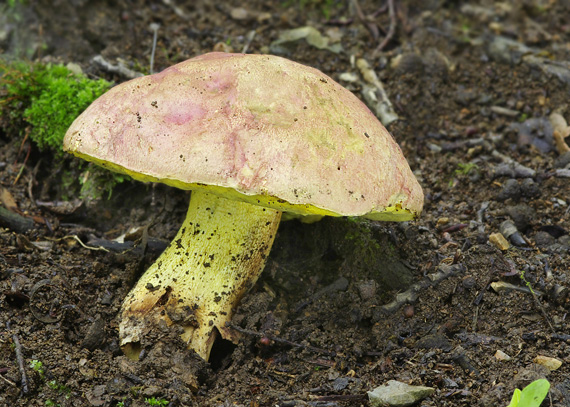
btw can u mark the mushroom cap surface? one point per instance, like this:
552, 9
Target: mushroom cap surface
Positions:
256, 128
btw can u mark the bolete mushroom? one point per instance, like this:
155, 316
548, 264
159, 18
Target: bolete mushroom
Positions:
252, 136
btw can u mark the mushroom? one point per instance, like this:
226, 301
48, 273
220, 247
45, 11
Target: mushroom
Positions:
253, 136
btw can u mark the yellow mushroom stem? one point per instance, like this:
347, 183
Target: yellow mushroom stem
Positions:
216, 257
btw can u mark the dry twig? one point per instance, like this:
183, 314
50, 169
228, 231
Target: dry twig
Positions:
391, 29
367, 20
20, 359
280, 340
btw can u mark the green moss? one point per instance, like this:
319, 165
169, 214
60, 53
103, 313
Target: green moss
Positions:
45, 99
39, 102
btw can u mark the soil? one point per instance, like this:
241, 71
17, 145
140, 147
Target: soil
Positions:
342, 306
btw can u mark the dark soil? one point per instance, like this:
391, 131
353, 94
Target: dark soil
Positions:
321, 327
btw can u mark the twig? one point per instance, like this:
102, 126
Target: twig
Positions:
20, 359
340, 397
499, 286
375, 95
23, 165
279, 340
8, 381
541, 308
409, 296
15, 222
475, 319
373, 28
83, 244
511, 167
31, 182
249, 38
22, 144
391, 29
177, 10
119, 69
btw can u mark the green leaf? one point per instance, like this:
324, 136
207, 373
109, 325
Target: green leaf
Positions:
533, 394
516, 398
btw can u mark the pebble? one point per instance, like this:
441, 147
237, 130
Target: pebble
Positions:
442, 223
222, 47
562, 161
548, 362
543, 239
407, 63
464, 96
510, 232
536, 131
408, 311
239, 13
499, 241
96, 397
529, 188
397, 394
521, 215
95, 336
511, 190
504, 111
434, 341
562, 173
500, 355
340, 383
151, 391
436, 63
468, 282
367, 289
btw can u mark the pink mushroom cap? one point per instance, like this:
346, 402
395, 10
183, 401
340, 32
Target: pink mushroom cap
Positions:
256, 128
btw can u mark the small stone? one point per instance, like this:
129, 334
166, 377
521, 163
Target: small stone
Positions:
510, 231
408, 311
521, 215
511, 190
96, 397
548, 362
529, 188
340, 383
544, 239
95, 336
367, 289
348, 77
441, 222
152, 391
434, 341
468, 282
407, 63
398, 394
75, 68
562, 161
499, 241
500, 355
223, 47
239, 13
436, 63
